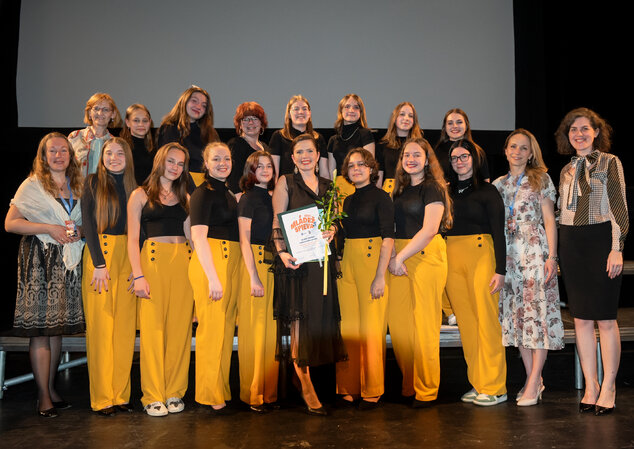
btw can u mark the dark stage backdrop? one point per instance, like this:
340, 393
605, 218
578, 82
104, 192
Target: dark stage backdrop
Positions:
566, 55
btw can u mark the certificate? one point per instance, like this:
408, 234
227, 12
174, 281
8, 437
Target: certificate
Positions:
302, 235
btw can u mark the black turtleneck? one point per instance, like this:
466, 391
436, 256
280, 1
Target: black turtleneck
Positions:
257, 205
89, 216
370, 214
480, 211
281, 146
213, 205
142, 159
351, 136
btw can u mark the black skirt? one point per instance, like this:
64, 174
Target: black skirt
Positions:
583, 253
299, 299
49, 298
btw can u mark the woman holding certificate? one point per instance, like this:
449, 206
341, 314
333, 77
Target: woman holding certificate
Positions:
369, 239
300, 307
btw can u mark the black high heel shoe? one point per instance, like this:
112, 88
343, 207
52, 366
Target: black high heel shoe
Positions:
321, 411
601, 411
585, 407
48, 413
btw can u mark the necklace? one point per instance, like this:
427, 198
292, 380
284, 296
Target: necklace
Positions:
165, 194
464, 188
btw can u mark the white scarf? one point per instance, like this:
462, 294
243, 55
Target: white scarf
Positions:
38, 206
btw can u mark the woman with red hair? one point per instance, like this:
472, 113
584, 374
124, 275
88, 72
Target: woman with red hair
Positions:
250, 122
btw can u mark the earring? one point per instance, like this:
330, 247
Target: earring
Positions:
317, 169
261, 131
295, 170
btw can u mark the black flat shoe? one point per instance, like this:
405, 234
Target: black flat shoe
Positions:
600, 411
124, 408
422, 404
61, 405
259, 409
367, 405
224, 411
585, 407
340, 402
49, 413
108, 411
321, 411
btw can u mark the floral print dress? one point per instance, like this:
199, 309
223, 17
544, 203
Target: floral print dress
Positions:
529, 307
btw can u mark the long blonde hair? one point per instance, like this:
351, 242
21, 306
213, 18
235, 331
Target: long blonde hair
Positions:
107, 207
362, 120
535, 167
42, 171
390, 137
286, 131
178, 116
432, 174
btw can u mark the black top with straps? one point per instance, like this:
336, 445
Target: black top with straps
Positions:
159, 220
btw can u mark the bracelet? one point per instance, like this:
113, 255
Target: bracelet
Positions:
138, 278
101, 266
555, 258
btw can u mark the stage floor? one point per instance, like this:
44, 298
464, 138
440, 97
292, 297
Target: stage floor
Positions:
554, 423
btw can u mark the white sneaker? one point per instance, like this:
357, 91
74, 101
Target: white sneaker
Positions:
451, 320
156, 409
175, 405
486, 400
469, 396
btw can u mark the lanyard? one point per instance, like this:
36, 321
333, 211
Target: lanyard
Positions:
67, 205
512, 205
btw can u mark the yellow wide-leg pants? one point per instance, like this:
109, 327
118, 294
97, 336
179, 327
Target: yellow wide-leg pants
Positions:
165, 321
257, 336
415, 317
471, 262
388, 185
363, 321
110, 325
216, 321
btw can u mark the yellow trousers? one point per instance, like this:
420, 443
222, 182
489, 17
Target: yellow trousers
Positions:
363, 321
257, 334
415, 317
216, 321
165, 321
471, 262
345, 188
110, 325
388, 185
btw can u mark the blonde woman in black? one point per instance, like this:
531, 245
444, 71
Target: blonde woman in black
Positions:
109, 304
160, 208
297, 120
403, 125
419, 269
369, 238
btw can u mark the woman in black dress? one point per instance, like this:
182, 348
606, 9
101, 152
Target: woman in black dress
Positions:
593, 225
297, 120
302, 311
46, 211
250, 122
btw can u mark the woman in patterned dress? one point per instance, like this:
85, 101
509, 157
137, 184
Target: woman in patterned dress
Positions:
529, 302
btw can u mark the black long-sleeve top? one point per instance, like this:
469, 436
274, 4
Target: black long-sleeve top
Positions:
240, 151
281, 146
257, 204
142, 158
409, 207
387, 157
214, 206
370, 214
88, 216
480, 211
352, 136
193, 142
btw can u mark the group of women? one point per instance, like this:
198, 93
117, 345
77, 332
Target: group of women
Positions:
199, 241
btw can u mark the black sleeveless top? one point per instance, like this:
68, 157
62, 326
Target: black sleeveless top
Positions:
159, 220
299, 194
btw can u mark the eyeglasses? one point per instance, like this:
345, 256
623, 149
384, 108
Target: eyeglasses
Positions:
250, 120
99, 110
463, 158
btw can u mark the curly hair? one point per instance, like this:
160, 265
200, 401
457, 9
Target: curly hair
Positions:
603, 142
42, 171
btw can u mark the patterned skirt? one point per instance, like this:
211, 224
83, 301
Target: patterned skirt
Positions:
48, 299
